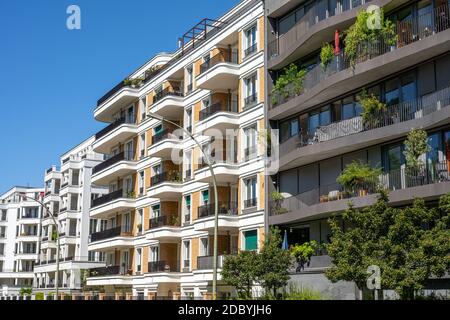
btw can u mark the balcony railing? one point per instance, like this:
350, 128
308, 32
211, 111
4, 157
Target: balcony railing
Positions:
402, 178
230, 57
250, 50
172, 176
167, 134
164, 221
114, 125
162, 266
225, 208
251, 152
207, 262
230, 106
405, 111
250, 101
104, 271
409, 31
111, 197
106, 234
314, 15
188, 175
250, 203
187, 219
166, 93
128, 156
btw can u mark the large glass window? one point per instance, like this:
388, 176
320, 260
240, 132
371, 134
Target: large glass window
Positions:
250, 240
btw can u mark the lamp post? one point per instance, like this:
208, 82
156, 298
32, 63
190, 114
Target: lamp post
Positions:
216, 197
57, 238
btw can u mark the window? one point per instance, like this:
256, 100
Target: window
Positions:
206, 102
189, 78
140, 219
141, 179
187, 209
204, 247
250, 40
187, 165
3, 215
138, 259
250, 142
142, 146
155, 212
143, 109
126, 222
154, 254
250, 91
205, 197
129, 117
189, 120
186, 254
250, 240
250, 193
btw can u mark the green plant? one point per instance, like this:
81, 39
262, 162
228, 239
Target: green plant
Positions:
372, 109
295, 293
278, 199
133, 82
326, 55
289, 83
131, 194
357, 176
416, 144
54, 235
175, 220
39, 296
303, 253
25, 291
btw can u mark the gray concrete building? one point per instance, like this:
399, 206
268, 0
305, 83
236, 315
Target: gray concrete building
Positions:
321, 129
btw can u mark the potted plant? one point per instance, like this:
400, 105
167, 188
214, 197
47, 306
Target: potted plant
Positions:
326, 55
416, 145
288, 84
278, 199
134, 82
359, 178
303, 253
372, 110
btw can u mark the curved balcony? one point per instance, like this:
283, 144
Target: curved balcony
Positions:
375, 61
345, 136
113, 202
220, 72
220, 115
165, 227
119, 97
117, 132
166, 185
165, 143
113, 168
228, 216
225, 171
115, 238
314, 28
168, 103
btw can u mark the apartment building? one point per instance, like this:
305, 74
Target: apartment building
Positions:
321, 128
20, 221
158, 217
68, 195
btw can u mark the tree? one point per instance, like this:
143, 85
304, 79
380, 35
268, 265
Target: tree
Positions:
240, 271
274, 263
409, 244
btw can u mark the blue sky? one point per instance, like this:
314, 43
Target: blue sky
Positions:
51, 77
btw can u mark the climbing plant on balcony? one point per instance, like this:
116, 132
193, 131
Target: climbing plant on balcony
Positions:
416, 145
359, 35
289, 83
326, 55
372, 110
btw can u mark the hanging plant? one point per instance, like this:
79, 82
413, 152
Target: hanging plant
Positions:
288, 84
372, 110
326, 55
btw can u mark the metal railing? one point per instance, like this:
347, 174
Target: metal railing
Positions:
311, 18
251, 152
221, 57
207, 262
229, 106
112, 196
250, 203
168, 92
250, 50
164, 221
117, 123
167, 133
106, 234
162, 266
128, 156
104, 271
407, 32
173, 176
392, 180
225, 208
250, 101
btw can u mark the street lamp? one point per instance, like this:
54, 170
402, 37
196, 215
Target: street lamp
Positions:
216, 197
57, 237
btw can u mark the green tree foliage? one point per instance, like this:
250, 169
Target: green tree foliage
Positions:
416, 144
409, 244
289, 83
357, 175
326, 55
372, 109
25, 291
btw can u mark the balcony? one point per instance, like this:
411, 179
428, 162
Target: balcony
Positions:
171, 177
117, 132
250, 203
404, 184
419, 39
311, 30
106, 234
225, 166
168, 103
105, 271
352, 134
164, 221
220, 72
115, 167
207, 262
113, 202
164, 142
163, 266
166, 185
120, 96
225, 208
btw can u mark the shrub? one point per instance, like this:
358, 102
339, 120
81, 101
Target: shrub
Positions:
326, 55
39, 296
